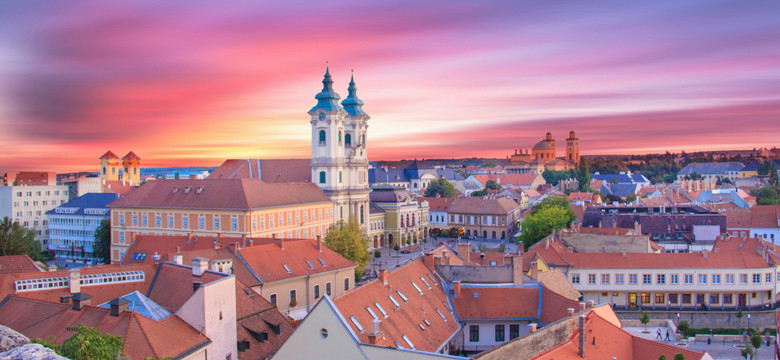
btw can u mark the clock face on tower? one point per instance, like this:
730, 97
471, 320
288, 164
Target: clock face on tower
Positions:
322, 116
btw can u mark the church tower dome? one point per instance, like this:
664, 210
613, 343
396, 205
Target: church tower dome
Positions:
352, 104
327, 99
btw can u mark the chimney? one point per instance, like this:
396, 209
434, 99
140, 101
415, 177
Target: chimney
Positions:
65, 299
445, 257
704, 253
156, 258
235, 248
428, 260
375, 336
591, 304
570, 311
74, 277
534, 270
178, 258
437, 260
178, 249
199, 265
118, 305
279, 241
80, 300
582, 336
196, 285
456, 288
506, 260
517, 270
582, 306
547, 242
463, 251
531, 328
319, 243
383, 276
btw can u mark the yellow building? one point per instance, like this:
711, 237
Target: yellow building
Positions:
543, 157
227, 207
400, 219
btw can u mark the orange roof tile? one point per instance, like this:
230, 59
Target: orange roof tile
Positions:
477, 303
270, 261
424, 319
254, 314
766, 216
172, 285
131, 156
270, 170
227, 194
108, 155
508, 179
11, 264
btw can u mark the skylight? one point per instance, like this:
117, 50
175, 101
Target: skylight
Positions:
394, 301
421, 327
476, 294
322, 262
408, 341
432, 279
309, 263
287, 268
357, 324
402, 295
373, 314
381, 309
427, 322
417, 287
442, 315
426, 282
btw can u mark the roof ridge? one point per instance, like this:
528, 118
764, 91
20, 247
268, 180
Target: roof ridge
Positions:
134, 316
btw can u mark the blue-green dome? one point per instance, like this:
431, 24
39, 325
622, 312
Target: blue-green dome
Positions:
327, 99
352, 104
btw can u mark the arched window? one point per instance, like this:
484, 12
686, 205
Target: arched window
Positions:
339, 177
361, 215
104, 170
322, 177
348, 139
322, 137
363, 139
339, 136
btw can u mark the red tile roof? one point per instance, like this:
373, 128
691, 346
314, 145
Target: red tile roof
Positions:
268, 260
131, 156
120, 187
498, 206
604, 231
270, 170
172, 285
143, 337
584, 196
410, 317
225, 194
108, 155
254, 314
436, 204
477, 303
11, 264
766, 217
508, 179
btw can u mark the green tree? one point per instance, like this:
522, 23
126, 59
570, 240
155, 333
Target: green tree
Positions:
739, 318
16, 239
679, 356
663, 357
440, 187
489, 165
644, 319
755, 339
555, 201
630, 198
348, 240
102, 248
583, 175
479, 193
492, 185
683, 326
540, 224
767, 195
88, 344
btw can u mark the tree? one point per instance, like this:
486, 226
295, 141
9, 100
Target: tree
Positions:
540, 224
479, 193
739, 318
348, 240
88, 343
492, 185
440, 187
102, 248
644, 319
583, 175
683, 326
679, 356
16, 239
663, 357
489, 165
555, 201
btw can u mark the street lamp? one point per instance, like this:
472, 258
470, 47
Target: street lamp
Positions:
748, 321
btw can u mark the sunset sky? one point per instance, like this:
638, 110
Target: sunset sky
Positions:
195, 82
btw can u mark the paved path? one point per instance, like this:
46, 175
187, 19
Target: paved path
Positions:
716, 350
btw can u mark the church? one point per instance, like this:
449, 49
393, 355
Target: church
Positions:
543, 157
339, 167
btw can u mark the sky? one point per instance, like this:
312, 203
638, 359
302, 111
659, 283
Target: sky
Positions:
196, 82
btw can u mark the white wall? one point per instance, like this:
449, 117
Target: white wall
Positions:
212, 310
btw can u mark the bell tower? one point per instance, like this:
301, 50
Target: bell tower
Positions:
109, 166
131, 165
339, 158
573, 148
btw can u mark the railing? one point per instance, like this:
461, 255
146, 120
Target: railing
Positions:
714, 308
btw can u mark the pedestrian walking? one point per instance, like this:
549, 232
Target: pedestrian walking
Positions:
667, 335
658, 334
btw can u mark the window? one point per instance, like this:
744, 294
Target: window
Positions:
700, 298
381, 309
660, 279
322, 137
121, 219
474, 333
688, 279
144, 220
170, 221
233, 224
673, 298
729, 279
348, 139
327, 289
619, 279
659, 298
756, 278
605, 279
357, 324
135, 219
686, 298
373, 314
346, 284
500, 333
674, 279
293, 297
647, 279
714, 299
768, 277
273, 299
645, 298
575, 278
339, 177
591, 279
395, 301
702, 279
514, 331
316, 291
715, 279
743, 278
727, 299
322, 177
632, 279
185, 221
339, 136
158, 221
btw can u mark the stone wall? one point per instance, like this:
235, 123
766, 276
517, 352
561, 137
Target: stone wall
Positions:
701, 319
15, 346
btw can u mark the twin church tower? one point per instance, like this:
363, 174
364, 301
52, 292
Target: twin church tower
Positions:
339, 155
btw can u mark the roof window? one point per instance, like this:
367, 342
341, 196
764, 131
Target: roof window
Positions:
373, 314
425, 282
408, 341
427, 322
476, 294
357, 324
432, 279
422, 327
394, 301
402, 295
442, 315
287, 268
381, 309
417, 287
310, 264
322, 262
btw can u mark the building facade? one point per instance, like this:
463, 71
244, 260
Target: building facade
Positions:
29, 204
543, 157
72, 226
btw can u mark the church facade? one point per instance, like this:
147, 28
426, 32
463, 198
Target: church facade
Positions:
543, 157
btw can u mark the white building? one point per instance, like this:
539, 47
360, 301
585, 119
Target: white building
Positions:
29, 204
72, 226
